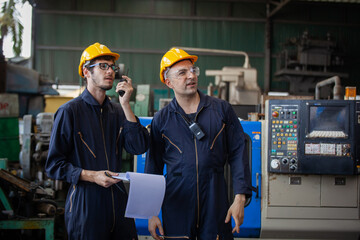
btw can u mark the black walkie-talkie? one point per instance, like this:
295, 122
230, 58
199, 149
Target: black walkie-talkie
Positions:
122, 92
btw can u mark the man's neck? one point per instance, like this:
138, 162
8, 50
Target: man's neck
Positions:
188, 103
98, 94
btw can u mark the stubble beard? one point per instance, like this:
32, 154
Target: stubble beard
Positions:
102, 87
105, 88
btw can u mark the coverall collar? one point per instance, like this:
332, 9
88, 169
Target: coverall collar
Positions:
88, 98
204, 102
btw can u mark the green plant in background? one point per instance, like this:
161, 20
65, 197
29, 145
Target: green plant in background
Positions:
9, 22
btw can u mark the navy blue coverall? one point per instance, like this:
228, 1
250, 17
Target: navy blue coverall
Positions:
89, 136
195, 203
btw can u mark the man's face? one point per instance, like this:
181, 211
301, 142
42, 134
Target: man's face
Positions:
100, 78
182, 79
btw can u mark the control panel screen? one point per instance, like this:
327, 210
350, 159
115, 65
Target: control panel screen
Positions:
327, 122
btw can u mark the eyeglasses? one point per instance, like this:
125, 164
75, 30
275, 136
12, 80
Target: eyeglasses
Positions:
105, 66
184, 72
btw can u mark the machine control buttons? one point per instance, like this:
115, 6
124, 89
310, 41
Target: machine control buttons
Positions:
275, 164
284, 125
293, 167
275, 114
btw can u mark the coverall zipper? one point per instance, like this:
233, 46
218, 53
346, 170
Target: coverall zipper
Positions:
117, 140
107, 162
86, 144
164, 136
197, 175
197, 185
197, 168
217, 135
71, 198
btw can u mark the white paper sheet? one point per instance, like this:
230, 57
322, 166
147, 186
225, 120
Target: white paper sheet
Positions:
121, 176
146, 194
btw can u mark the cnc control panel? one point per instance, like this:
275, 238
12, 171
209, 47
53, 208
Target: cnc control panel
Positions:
313, 136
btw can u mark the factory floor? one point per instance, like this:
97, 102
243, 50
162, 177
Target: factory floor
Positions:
150, 238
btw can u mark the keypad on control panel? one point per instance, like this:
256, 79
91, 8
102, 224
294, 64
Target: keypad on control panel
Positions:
284, 135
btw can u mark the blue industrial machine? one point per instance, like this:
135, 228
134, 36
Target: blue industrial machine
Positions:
252, 222
311, 169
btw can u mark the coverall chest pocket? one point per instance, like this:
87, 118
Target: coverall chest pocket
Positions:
170, 145
217, 137
86, 146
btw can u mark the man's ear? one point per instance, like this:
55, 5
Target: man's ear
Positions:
86, 72
168, 83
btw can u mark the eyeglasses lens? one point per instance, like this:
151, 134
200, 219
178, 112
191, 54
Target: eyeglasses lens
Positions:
185, 72
105, 66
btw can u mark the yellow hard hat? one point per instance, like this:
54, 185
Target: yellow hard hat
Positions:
93, 51
173, 56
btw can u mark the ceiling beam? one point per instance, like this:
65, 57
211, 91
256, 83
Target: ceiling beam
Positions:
278, 5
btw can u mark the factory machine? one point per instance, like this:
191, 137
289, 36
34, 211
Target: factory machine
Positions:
31, 201
251, 226
311, 169
306, 60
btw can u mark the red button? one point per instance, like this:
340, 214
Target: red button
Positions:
275, 114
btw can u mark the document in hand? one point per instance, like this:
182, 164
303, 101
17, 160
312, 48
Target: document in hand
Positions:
146, 194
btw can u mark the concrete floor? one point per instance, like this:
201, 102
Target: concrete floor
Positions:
150, 238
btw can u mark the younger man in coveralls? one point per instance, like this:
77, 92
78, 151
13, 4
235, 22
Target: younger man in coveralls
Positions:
87, 139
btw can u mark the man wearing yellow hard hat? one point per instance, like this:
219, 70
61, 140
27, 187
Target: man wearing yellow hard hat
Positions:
194, 136
87, 139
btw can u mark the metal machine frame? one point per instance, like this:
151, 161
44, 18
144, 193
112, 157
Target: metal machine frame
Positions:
307, 205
